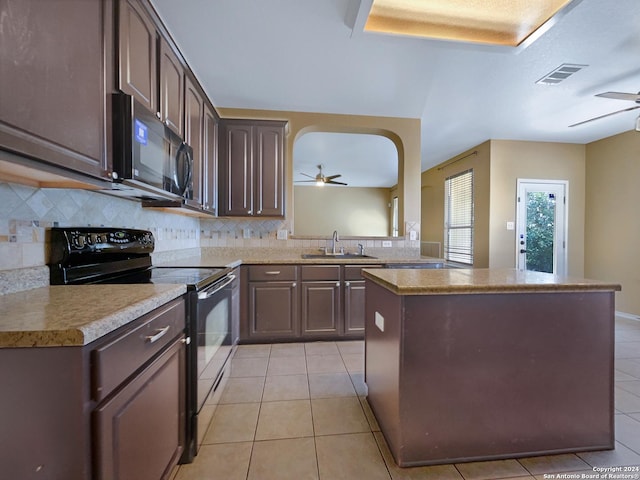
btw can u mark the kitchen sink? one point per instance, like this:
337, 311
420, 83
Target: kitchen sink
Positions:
337, 255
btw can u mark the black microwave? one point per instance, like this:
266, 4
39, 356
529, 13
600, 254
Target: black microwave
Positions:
150, 161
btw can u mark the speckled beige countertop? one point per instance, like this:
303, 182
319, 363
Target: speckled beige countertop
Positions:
479, 280
69, 315
221, 257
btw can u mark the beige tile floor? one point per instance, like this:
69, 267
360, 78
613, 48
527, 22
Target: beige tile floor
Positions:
299, 411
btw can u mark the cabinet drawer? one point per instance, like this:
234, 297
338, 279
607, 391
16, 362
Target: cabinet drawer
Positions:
272, 272
352, 272
117, 359
320, 272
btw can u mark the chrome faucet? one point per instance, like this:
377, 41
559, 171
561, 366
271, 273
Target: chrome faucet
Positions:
360, 249
334, 239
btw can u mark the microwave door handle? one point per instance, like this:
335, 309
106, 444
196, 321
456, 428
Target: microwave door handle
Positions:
209, 292
182, 187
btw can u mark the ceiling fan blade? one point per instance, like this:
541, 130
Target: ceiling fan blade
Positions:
307, 175
335, 183
331, 177
604, 116
304, 181
634, 97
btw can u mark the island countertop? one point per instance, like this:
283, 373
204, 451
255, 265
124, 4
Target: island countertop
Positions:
478, 281
75, 315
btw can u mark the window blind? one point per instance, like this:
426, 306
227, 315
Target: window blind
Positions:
458, 218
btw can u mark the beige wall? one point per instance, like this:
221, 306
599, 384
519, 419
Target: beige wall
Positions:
612, 226
511, 160
433, 199
497, 166
404, 132
357, 211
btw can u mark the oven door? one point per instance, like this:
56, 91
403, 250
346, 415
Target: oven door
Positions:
213, 339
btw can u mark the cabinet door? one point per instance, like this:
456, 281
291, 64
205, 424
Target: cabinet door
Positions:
137, 42
209, 159
171, 89
269, 170
354, 295
56, 68
237, 170
273, 309
140, 430
193, 122
320, 308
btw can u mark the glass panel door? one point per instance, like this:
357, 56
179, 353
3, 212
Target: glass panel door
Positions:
541, 236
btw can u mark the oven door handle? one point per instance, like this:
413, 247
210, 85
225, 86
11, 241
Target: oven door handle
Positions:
209, 292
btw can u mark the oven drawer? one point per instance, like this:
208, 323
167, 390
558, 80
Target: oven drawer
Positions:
116, 360
272, 272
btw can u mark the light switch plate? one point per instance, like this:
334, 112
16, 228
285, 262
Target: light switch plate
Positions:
511, 226
413, 235
281, 235
386, 243
379, 320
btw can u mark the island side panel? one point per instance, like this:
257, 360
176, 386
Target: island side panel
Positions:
382, 360
506, 375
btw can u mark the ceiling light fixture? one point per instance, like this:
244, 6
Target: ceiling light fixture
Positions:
493, 22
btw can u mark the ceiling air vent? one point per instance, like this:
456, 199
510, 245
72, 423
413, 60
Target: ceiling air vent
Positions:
560, 74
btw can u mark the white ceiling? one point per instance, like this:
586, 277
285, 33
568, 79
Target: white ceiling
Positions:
301, 55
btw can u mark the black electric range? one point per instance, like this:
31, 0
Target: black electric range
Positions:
97, 255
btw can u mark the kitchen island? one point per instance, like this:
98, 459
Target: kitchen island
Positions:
465, 365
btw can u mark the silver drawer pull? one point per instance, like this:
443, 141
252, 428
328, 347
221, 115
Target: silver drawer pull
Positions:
273, 272
160, 333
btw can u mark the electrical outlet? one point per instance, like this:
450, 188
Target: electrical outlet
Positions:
379, 321
387, 243
246, 233
281, 235
413, 235
511, 226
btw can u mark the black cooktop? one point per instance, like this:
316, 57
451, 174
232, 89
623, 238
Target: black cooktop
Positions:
81, 255
195, 278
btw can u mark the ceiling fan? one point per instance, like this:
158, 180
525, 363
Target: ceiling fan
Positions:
633, 97
320, 179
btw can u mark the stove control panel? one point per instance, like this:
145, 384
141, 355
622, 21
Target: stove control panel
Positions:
90, 240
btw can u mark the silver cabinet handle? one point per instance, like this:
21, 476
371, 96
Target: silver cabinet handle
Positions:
337, 284
259, 212
273, 272
347, 284
250, 212
160, 333
293, 284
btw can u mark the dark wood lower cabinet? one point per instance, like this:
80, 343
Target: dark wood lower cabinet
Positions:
61, 416
139, 431
273, 310
321, 313
327, 304
354, 307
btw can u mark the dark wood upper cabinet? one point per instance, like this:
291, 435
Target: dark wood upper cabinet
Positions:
193, 126
236, 178
252, 168
269, 169
137, 54
171, 88
209, 159
56, 67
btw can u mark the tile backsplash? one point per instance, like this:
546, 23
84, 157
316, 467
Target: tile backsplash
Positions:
26, 213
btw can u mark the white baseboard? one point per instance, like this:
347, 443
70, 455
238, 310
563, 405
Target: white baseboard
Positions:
628, 315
